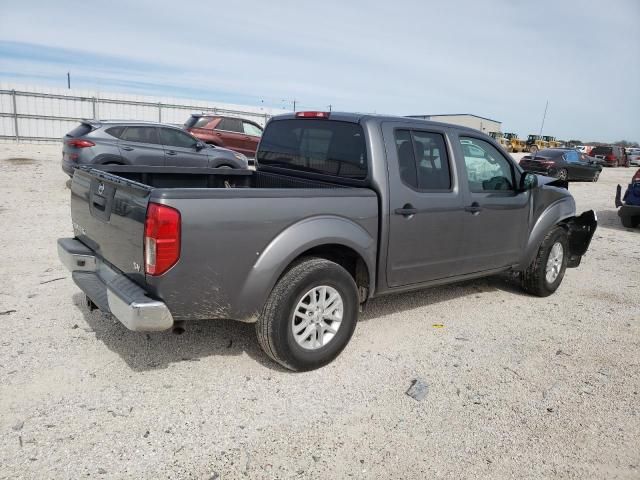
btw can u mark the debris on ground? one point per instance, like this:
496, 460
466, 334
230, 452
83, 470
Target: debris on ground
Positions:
418, 390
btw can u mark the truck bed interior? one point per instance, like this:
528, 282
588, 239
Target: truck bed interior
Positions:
188, 177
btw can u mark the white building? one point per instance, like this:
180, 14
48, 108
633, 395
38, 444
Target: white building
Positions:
483, 124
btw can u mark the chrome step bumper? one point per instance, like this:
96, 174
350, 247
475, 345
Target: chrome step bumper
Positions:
112, 291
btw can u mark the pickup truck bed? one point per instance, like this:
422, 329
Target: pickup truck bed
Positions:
228, 219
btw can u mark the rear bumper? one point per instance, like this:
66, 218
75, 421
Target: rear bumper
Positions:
68, 167
111, 290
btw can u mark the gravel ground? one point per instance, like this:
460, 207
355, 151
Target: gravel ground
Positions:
517, 386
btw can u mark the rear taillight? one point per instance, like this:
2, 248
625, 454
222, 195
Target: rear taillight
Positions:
161, 238
78, 143
611, 157
547, 162
312, 114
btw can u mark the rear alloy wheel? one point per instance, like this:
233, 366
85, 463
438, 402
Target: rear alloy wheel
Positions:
596, 176
562, 174
545, 274
310, 315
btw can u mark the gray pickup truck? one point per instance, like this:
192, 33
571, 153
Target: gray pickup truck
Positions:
342, 208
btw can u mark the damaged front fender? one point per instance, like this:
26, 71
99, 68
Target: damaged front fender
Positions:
581, 230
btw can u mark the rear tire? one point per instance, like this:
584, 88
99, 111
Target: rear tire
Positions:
630, 222
545, 274
596, 177
281, 329
533, 149
563, 174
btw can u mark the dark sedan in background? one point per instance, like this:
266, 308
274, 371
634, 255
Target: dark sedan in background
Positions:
563, 163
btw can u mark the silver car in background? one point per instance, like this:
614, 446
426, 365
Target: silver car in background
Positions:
633, 154
101, 142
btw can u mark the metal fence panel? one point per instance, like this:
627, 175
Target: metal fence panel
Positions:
44, 114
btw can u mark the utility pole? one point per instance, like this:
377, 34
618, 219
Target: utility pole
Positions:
69, 80
329, 107
544, 116
294, 104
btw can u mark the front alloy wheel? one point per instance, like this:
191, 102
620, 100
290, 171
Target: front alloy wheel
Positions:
554, 262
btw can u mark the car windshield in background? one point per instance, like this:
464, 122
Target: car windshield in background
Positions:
315, 146
196, 122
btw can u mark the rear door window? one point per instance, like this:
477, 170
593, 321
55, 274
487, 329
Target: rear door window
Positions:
315, 146
115, 131
251, 129
423, 160
230, 125
140, 135
172, 137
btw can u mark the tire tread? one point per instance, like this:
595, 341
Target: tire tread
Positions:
533, 280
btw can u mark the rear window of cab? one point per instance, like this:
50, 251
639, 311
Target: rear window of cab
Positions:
325, 147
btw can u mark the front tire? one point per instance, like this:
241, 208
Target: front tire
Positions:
309, 316
545, 274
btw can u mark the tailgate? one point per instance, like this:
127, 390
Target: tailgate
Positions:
108, 214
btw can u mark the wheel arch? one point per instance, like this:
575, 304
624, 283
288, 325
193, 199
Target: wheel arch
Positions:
558, 213
331, 237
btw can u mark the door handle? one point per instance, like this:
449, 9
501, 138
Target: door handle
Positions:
171, 152
406, 211
474, 208
127, 148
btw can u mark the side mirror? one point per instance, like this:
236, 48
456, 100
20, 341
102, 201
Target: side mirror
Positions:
199, 146
528, 181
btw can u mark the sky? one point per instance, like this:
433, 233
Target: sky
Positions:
497, 59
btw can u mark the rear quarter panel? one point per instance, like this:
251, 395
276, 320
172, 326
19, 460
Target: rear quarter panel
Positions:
236, 243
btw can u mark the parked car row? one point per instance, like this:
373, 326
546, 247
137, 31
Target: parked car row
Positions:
205, 140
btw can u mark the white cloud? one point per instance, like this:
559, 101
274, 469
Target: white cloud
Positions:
494, 58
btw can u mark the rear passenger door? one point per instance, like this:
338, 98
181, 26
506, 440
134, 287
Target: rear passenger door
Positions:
180, 149
233, 136
426, 224
139, 145
496, 213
